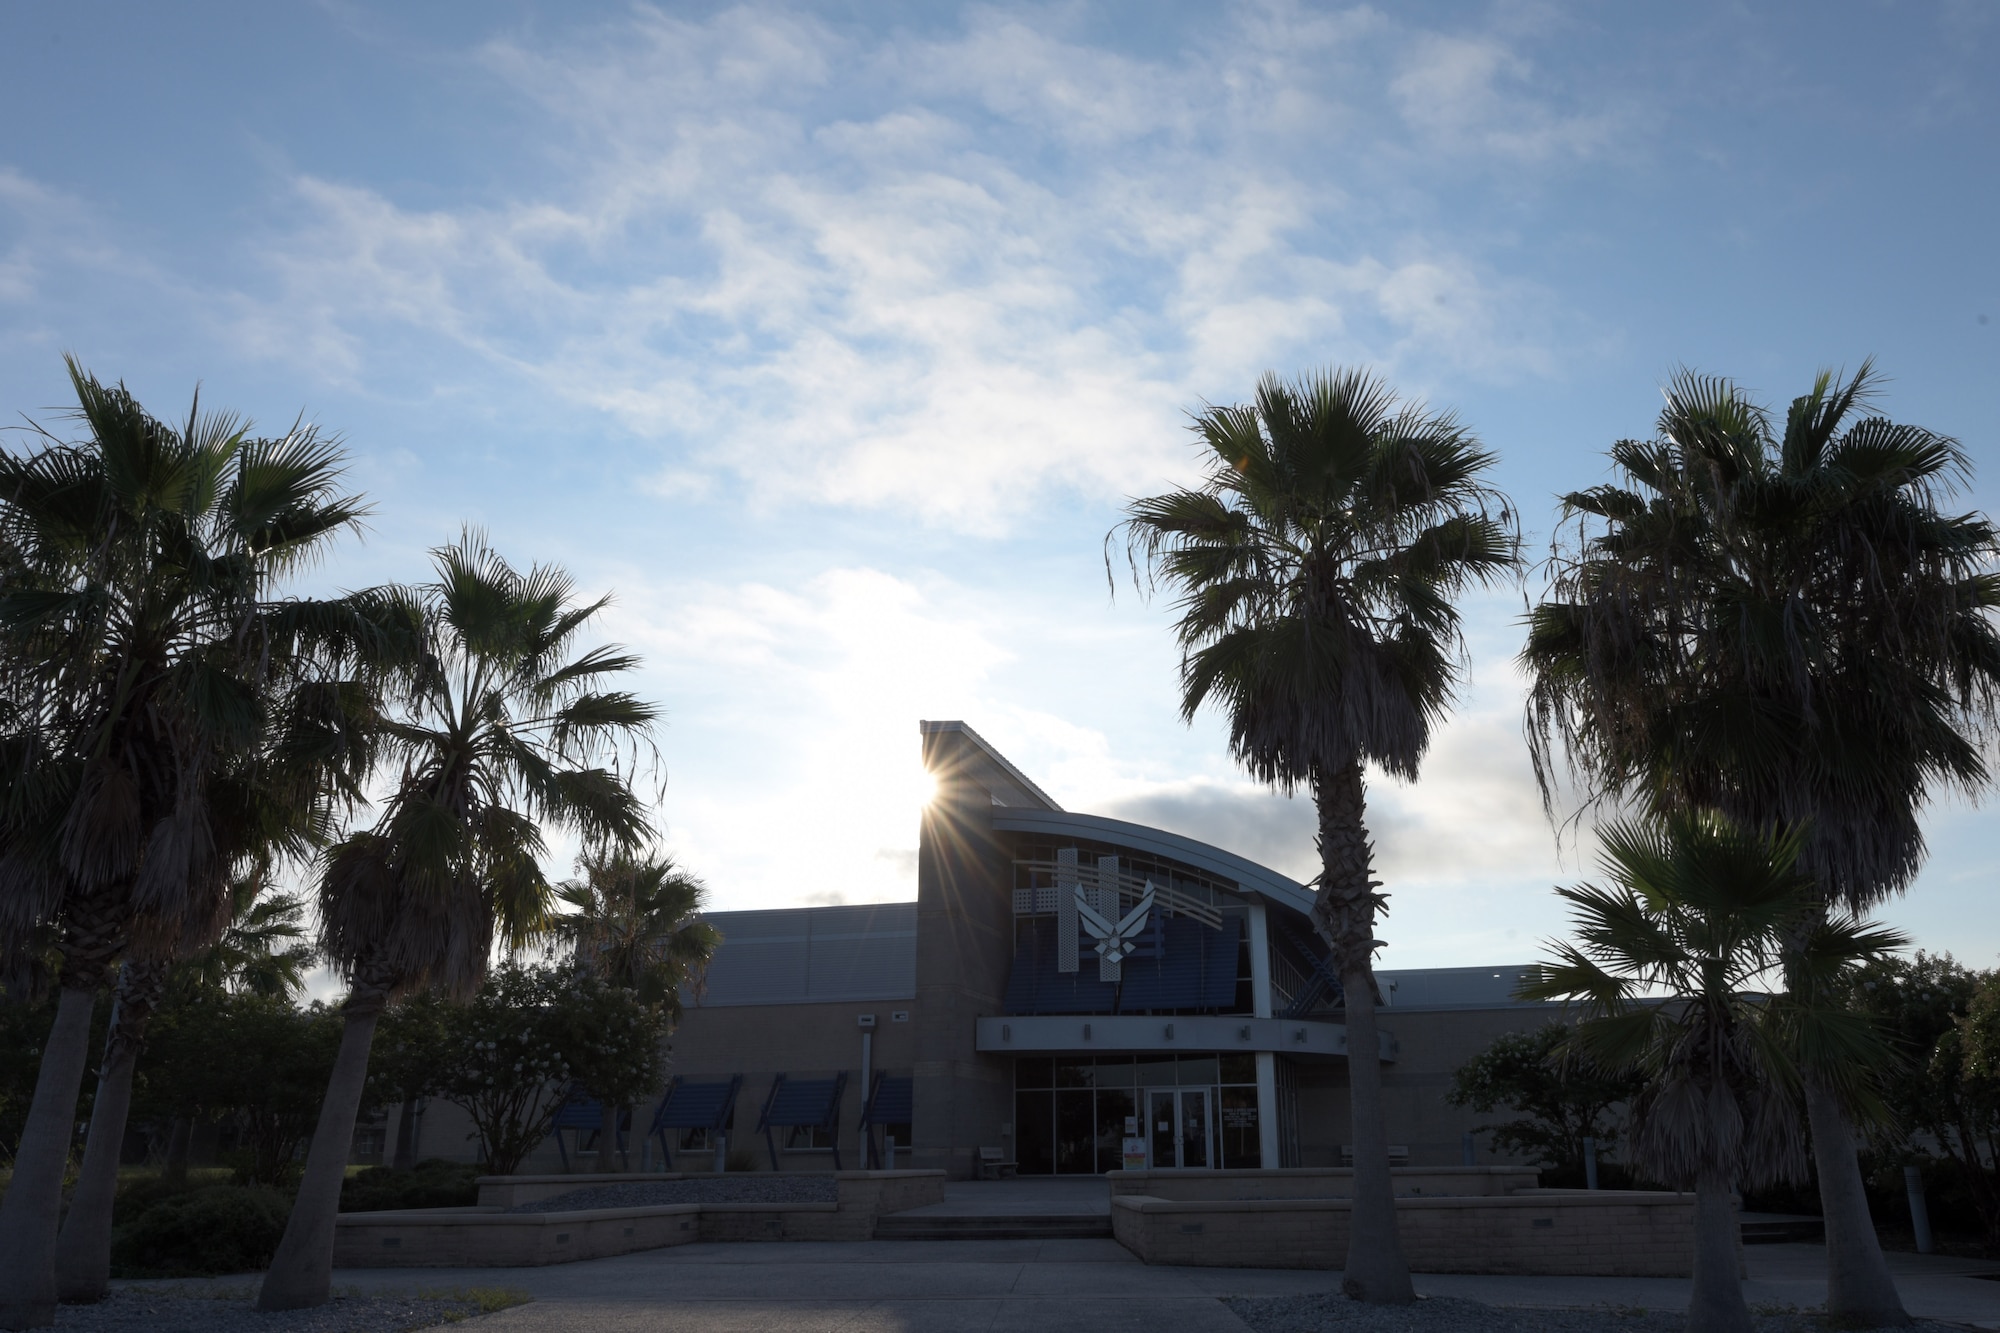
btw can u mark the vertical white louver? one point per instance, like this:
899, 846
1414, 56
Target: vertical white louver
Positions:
1107, 907
1067, 883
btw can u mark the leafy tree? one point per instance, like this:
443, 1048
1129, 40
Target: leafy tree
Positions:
1668, 959
1785, 625
1945, 1019
259, 1060
1563, 1097
407, 1061
528, 1037
615, 1043
24, 1025
146, 667
1316, 566
497, 728
636, 921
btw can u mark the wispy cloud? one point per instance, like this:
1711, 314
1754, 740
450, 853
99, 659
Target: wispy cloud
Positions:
945, 271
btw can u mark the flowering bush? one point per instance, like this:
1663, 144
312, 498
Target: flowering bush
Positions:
513, 1051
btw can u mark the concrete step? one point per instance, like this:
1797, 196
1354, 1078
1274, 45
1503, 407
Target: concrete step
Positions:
1001, 1226
1768, 1229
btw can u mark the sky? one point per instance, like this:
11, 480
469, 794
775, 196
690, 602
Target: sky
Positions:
833, 338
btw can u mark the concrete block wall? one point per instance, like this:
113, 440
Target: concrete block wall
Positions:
488, 1236
1601, 1233
1321, 1182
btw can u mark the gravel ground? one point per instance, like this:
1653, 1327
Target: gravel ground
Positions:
748, 1188
1332, 1313
210, 1309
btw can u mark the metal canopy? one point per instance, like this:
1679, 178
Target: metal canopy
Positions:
708, 1106
892, 1102
579, 1112
805, 1103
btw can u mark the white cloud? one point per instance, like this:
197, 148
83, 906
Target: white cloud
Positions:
942, 273
1474, 94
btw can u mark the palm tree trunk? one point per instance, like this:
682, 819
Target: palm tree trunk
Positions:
1716, 1304
302, 1270
607, 1137
33, 1203
83, 1249
1345, 913
1859, 1290
406, 1136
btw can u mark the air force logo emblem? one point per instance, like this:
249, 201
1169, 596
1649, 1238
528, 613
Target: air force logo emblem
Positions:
1115, 939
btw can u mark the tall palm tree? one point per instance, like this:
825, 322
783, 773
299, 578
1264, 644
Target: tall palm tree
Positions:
263, 952
1785, 626
499, 728
1698, 916
636, 921
140, 647
1317, 565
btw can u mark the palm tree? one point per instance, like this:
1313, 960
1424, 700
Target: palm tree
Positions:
1782, 626
499, 729
1316, 566
262, 952
1697, 916
636, 921
140, 650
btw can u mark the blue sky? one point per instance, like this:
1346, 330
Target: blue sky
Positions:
832, 337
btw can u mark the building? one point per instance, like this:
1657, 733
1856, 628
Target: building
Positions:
1061, 981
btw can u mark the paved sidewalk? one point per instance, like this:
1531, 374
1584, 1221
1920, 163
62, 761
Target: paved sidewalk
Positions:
1072, 1286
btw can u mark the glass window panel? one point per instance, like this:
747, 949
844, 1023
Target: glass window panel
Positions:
1239, 1067
1197, 1071
1114, 1071
1113, 1106
1034, 1132
1076, 1133
1160, 1132
1241, 1145
1196, 1138
1073, 1073
1155, 1071
1034, 1072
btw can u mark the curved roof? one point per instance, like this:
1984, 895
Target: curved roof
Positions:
1248, 875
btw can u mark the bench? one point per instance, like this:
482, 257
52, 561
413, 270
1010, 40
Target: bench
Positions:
993, 1164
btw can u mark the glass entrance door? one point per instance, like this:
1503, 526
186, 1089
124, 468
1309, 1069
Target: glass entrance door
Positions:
1178, 1127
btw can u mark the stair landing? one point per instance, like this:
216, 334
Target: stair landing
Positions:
1063, 1208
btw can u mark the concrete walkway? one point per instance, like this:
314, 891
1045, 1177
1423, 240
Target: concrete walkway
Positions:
1074, 1286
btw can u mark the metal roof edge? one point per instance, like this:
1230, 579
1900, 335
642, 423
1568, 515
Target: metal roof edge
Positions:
1248, 875
1005, 764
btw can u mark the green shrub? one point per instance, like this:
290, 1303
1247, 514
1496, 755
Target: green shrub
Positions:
432, 1183
221, 1229
137, 1193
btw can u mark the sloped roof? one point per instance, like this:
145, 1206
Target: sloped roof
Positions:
810, 955
1023, 807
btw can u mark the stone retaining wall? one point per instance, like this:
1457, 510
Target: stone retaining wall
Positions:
879, 1191
1321, 1182
1544, 1233
489, 1236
